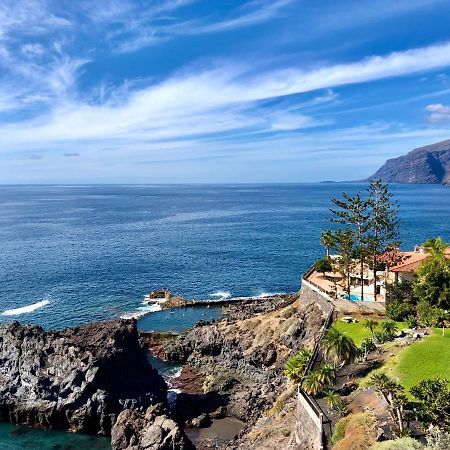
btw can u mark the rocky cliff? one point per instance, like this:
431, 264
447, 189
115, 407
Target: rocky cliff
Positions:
78, 379
429, 164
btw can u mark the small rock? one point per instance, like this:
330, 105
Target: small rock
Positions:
202, 421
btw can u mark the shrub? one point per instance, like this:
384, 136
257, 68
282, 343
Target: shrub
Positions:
323, 265
405, 443
339, 430
398, 311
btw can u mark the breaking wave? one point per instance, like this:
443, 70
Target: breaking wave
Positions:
221, 294
25, 309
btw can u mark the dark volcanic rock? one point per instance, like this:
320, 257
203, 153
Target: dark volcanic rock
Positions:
429, 164
240, 359
150, 431
78, 379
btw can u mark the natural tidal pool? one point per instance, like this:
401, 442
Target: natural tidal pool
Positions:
15, 437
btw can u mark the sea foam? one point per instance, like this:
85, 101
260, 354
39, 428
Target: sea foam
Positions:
221, 294
25, 309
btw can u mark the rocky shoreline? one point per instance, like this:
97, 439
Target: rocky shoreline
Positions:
97, 378
87, 379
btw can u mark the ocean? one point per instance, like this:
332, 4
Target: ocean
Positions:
72, 254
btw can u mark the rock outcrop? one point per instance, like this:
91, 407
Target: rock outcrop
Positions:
79, 379
429, 164
151, 430
239, 360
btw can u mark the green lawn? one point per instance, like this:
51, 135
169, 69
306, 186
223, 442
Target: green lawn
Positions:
427, 358
357, 331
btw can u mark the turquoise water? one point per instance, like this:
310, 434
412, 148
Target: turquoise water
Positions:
13, 437
71, 254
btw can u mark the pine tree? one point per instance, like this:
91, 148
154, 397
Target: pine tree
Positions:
353, 213
383, 224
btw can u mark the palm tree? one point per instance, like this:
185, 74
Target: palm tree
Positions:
338, 346
389, 327
370, 324
295, 366
393, 394
441, 317
327, 240
312, 383
327, 374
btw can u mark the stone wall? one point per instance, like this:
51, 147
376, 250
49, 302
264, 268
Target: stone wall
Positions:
308, 426
311, 294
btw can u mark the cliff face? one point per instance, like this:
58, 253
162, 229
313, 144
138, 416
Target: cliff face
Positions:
429, 164
78, 379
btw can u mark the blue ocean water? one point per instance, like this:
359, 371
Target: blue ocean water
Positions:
81, 253
94, 251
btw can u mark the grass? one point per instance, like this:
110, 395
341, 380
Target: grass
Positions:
428, 358
357, 331
422, 360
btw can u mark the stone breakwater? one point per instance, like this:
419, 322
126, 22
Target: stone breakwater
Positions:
85, 379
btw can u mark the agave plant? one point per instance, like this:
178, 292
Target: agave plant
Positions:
295, 366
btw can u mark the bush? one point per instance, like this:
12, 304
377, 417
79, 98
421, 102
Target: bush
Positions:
323, 265
339, 430
381, 337
398, 311
411, 322
405, 443
426, 313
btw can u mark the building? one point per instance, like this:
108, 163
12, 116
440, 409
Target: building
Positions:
407, 264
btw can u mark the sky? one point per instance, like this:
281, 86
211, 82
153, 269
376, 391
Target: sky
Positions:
218, 91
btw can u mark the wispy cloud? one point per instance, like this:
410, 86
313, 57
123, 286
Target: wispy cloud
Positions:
152, 29
204, 102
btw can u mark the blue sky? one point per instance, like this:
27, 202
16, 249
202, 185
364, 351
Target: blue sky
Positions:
134, 91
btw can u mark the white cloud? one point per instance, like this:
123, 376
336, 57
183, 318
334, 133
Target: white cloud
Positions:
439, 113
200, 103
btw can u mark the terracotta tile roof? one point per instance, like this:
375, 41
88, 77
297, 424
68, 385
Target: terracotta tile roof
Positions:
410, 261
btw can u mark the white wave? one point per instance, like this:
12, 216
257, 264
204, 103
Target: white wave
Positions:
176, 391
269, 294
176, 373
141, 311
221, 294
25, 309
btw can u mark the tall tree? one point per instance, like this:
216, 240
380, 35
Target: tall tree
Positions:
383, 224
432, 281
393, 394
327, 240
344, 244
352, 212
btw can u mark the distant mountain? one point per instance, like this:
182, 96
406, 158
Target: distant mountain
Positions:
429, 164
